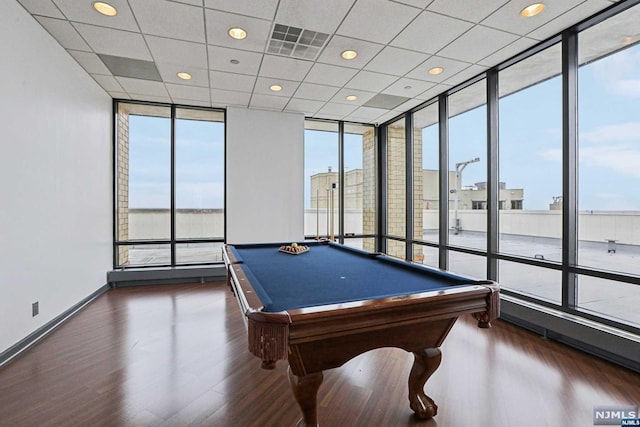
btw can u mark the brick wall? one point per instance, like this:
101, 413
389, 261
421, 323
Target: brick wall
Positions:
123, 183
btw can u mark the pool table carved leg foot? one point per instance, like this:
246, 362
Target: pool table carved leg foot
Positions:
425, 364
305, 390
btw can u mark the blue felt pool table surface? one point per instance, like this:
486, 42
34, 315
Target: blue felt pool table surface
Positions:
332, 274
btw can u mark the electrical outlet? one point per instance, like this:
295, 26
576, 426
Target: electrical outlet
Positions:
35, 309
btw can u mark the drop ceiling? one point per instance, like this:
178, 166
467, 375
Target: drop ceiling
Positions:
138, 53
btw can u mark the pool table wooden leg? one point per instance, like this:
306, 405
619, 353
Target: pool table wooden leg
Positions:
425, 364
305, 390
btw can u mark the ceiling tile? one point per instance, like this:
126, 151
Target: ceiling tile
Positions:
315, 92
114, 42
508, 51
285, 68
451, 67
64, 33
338, 44
341, 97
169, 19
143, 87
229, 97
331, 75
90, 62
188, 92
306, 106
169, 74
408, 87
366, 114
386, 17
220, 59
288, 87
337, 109
324, 16
108, 83
465, 74
218, 23
119, 95
186, 54
430, 32
152, 98
81, 11
191, 102
265, 9
231, 81
269, 102
475, 12
434, 91
396, 61
508, 18
416, 3
386, 117
477, 43
370, 81
571, 17
42, 8
408, 105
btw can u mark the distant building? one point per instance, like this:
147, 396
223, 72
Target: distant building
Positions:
469, 197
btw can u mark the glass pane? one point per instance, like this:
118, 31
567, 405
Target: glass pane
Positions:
144, 173
468, 167
198, 252
617, 300
321, 179
609, 145
396, 186
363, 243
360, 180
426, 181
530, 202
535, 281
426, 255
396, 248
468, 265
141, 255
199, 172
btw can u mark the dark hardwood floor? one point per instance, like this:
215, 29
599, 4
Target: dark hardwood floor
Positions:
176, 356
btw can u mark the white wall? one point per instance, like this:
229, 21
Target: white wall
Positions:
55, 178
265, 162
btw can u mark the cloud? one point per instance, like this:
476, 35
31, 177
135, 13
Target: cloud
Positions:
629, 131
622, 158
619, 72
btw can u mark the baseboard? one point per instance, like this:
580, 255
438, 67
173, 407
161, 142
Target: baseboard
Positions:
150, 276
22, 345
614, 345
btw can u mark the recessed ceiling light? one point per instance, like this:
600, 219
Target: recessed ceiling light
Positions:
234, 61
532, 10
237, 33
275, 88
184, 76
349, 54
351, 97
435, 70
105, 8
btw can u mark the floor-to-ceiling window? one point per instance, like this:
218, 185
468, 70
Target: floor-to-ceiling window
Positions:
169, 185
468, 178
426, 184
530, 173
321, 179
395, 202
609, 166
359, 186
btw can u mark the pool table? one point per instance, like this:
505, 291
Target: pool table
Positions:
321, 308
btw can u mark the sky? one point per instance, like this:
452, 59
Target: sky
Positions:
530, 138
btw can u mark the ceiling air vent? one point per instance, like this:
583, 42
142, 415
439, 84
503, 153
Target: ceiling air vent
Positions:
296, 42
